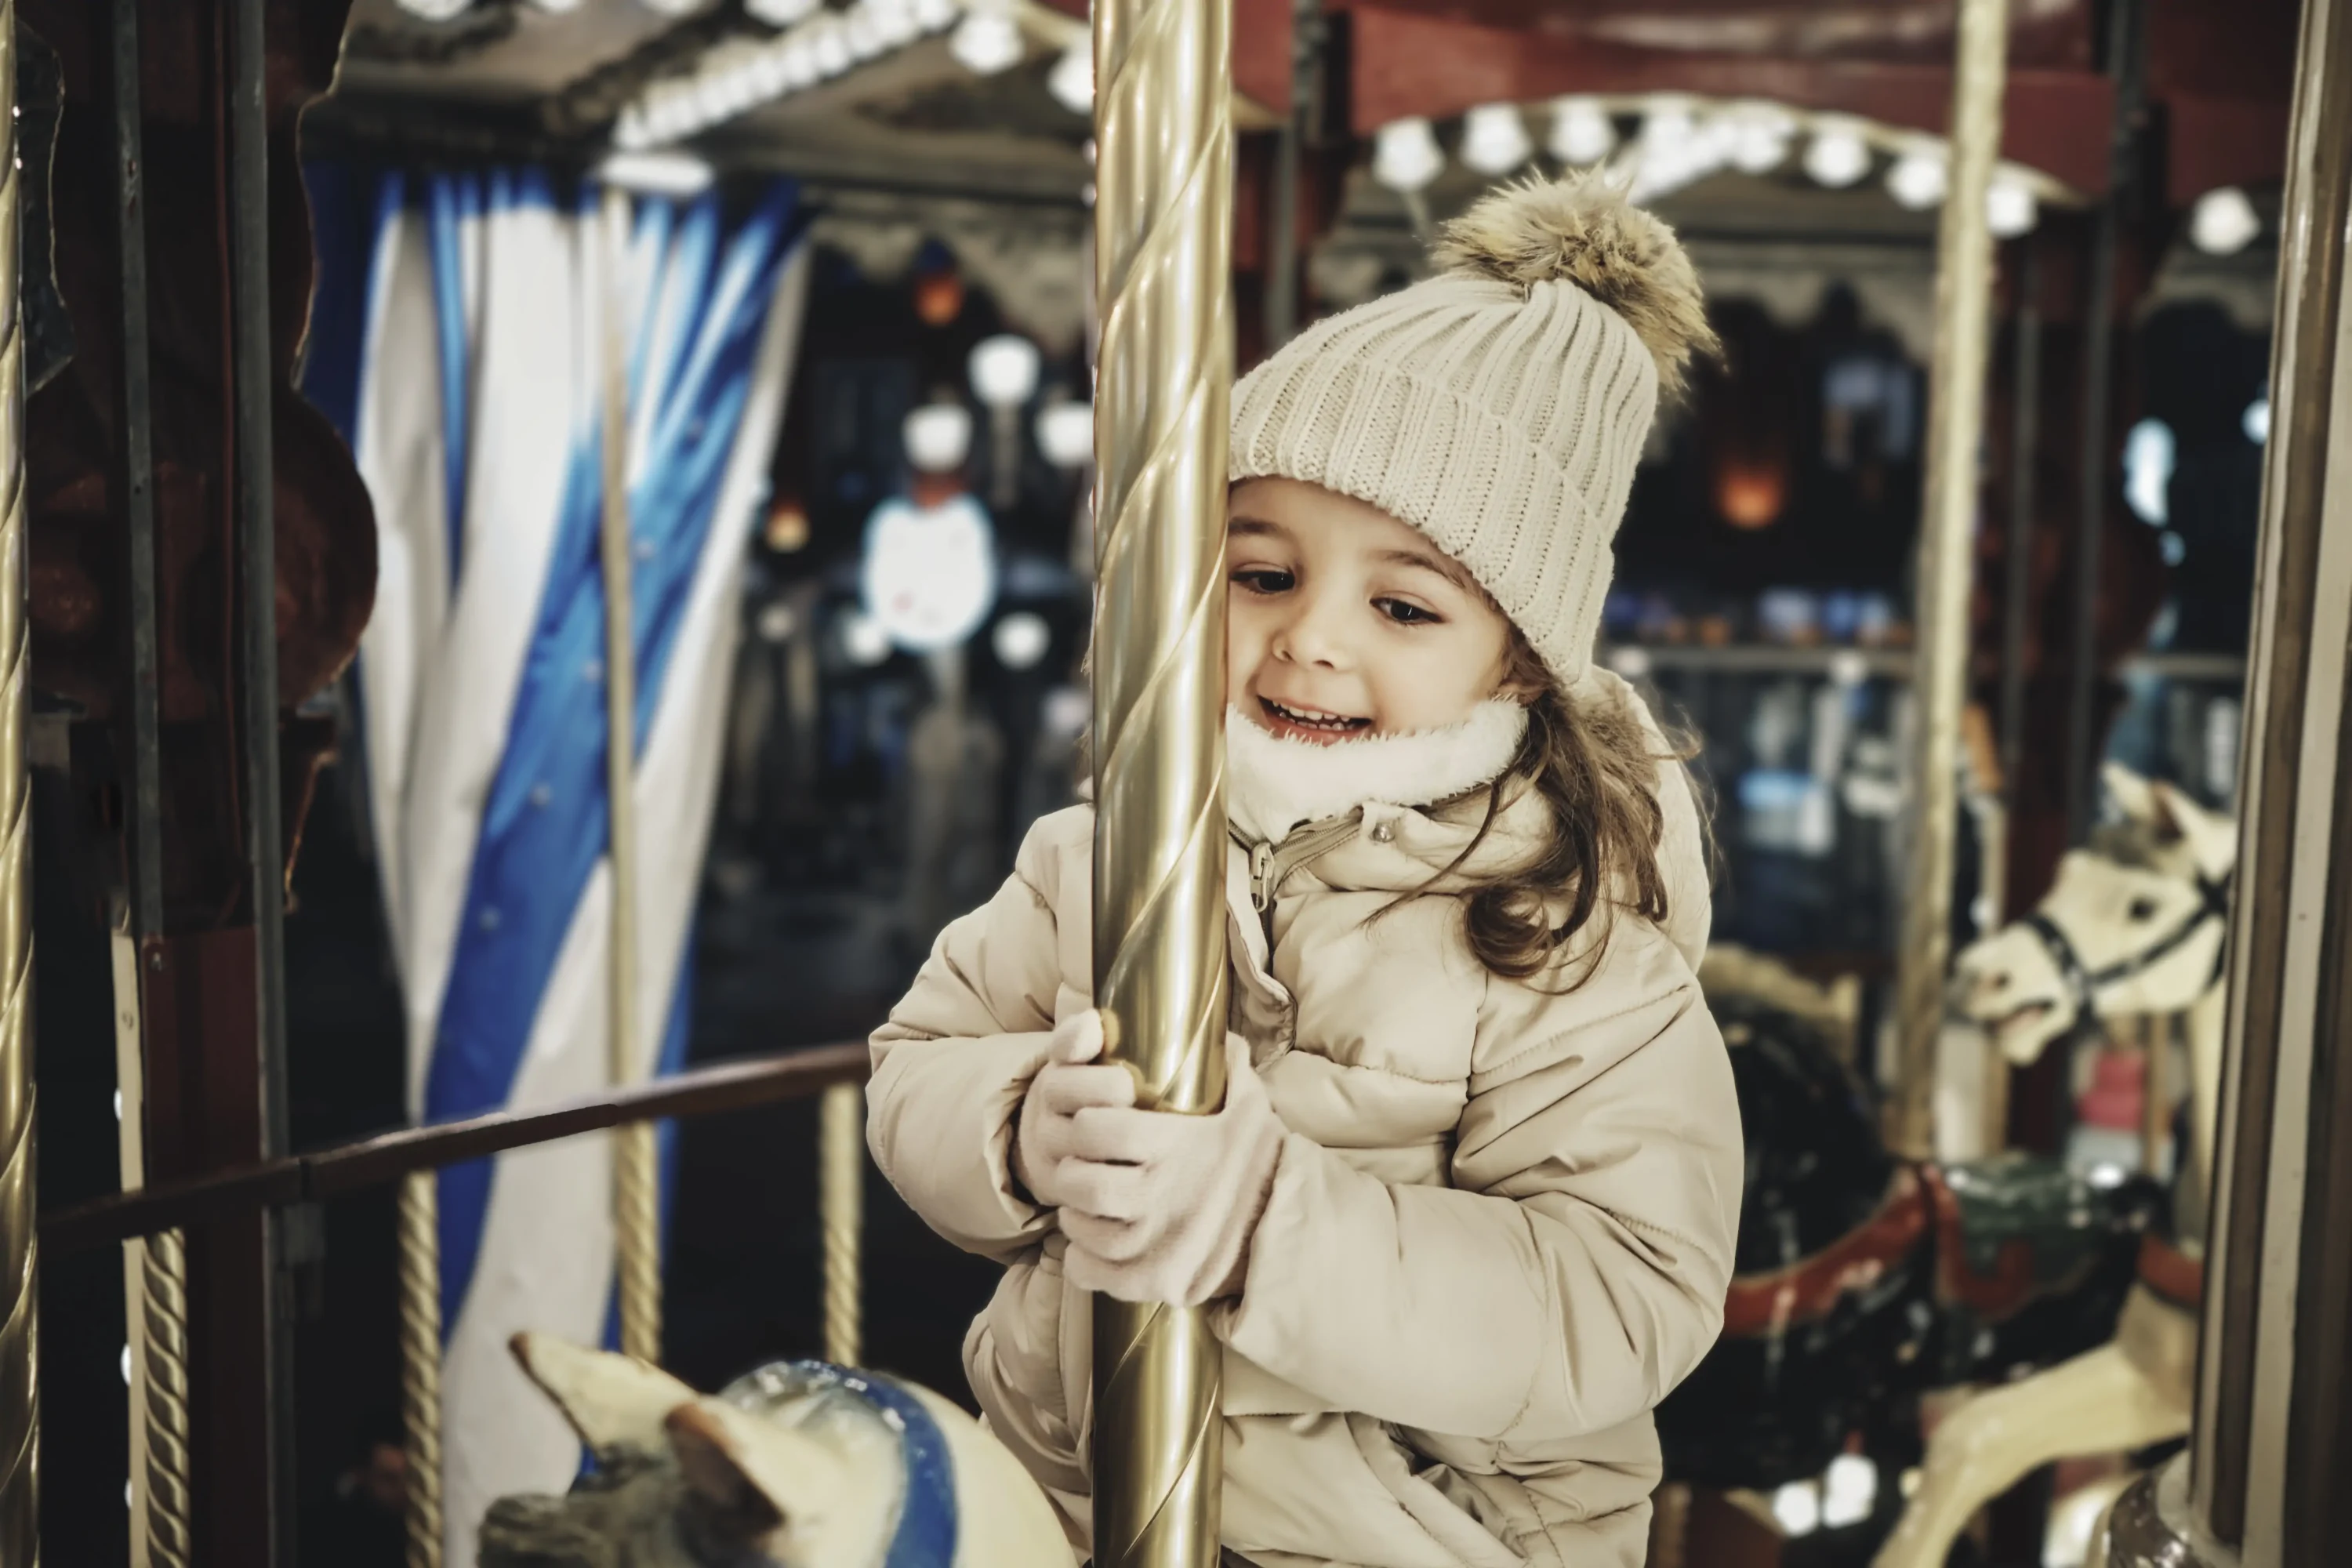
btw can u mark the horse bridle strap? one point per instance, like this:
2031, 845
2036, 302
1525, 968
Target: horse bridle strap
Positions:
2083, 983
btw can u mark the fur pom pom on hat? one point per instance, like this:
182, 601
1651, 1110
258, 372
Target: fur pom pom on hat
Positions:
1581, 230
1501, 407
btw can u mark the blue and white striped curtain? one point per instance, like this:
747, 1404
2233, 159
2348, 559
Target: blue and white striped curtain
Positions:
473, 406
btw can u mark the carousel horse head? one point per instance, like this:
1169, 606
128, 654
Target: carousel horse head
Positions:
798, 1464
2135, 924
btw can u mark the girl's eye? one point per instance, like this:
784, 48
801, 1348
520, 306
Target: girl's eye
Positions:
1266, 579
1404, 614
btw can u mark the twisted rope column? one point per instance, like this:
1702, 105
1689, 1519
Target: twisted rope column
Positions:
1939, 677
420, 1363
841, 1204
1163, 243
20, 1399
636, 1197
163, 1397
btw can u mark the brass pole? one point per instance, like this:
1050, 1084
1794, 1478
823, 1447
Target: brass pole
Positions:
420, 1363
636, 1218
155, 1316
841, 1176
167, 1540
1939, 676
2156, 1095
20, 1399
1163, 249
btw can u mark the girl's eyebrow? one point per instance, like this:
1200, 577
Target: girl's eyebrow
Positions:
1444, 566
1252, 527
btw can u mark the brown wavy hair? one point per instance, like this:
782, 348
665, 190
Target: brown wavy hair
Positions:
1595, 767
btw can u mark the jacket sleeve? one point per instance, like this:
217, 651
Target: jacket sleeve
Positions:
1576, 1270
952, 1063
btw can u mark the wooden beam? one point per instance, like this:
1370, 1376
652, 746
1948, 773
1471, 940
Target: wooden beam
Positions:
1403, 63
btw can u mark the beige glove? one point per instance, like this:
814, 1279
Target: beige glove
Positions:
1161, 1207
1070, 1081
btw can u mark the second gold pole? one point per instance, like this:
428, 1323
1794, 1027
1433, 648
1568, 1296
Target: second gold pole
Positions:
636, 1197
1947, 562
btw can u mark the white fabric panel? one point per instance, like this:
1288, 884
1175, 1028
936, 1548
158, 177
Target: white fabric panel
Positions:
546, 1256
529, 365
401, 461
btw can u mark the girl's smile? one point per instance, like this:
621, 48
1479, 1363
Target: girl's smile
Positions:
1344, 622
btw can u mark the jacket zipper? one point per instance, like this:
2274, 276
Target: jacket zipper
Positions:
1269, 864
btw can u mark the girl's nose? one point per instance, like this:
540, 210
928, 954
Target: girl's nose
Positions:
1308, 638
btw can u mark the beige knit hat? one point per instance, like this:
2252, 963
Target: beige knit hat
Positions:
1501, 407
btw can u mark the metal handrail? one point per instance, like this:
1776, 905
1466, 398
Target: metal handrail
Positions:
387, 1157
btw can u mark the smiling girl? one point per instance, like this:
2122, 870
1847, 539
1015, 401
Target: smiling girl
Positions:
1466, 1215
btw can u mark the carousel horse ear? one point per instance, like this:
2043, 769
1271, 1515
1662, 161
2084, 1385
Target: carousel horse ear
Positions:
755, 1477
611, 1401
2132, 794
2212, 837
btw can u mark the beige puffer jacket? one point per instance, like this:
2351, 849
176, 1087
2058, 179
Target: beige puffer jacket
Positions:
1500, 1230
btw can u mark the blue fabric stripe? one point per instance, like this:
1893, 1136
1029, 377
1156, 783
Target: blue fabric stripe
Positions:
348, 211
546, 819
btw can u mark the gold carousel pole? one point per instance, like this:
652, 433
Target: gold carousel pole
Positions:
1163, 245
636, 1215
20, 1400
841, 1180
1939, 677
420, 1363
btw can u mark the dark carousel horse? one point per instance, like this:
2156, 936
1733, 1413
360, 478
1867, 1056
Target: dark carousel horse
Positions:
1865, 1280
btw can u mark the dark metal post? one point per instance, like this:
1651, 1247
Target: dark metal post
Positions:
2264, 1412
2025, 431
138, 479
1282, 248
258, 704
2098, 354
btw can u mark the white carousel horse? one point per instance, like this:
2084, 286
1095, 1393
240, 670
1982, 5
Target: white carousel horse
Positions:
2135, 925
799, 1465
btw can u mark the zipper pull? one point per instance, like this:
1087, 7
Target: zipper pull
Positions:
1261, 877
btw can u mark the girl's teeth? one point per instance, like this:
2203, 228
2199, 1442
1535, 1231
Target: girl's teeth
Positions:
1313, 721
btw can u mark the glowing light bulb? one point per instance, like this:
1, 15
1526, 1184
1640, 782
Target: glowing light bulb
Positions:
1004, 370
1066, 434
1405, 154
1072, 82
1495, 139
938, 436
1759, 135
1848, 1491
864, 639
675, 174
1839, 155
988, 42
1918, 178
2223, 222
1580, 131
1020, 639
1797, 1508
2009, 207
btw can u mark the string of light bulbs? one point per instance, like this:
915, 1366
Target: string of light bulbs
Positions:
1680, 140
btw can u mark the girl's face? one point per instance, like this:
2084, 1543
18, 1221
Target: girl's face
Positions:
1344, 622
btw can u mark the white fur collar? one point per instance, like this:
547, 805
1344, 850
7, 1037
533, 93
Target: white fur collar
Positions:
1273, 784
